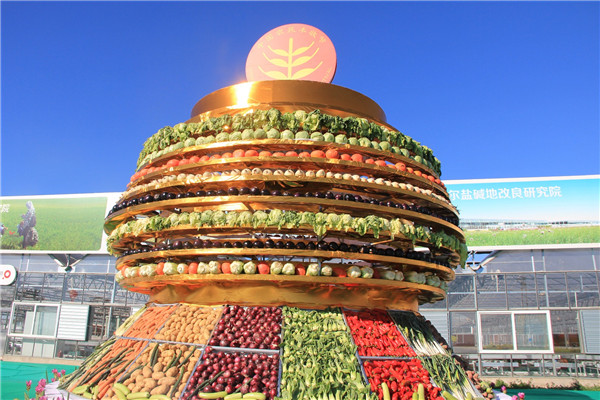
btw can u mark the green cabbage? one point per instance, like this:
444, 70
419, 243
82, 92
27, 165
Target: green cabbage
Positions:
328, 137
214, 267
247, 134
237, 267
354, 272
312, 270
318, 136
273, 134
260, 134
366, 272
341, 139
276, 267
237, 135
302, 135
250, 268
288, 269
287, 134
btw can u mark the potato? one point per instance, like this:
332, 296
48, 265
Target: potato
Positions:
147, 372
162, 389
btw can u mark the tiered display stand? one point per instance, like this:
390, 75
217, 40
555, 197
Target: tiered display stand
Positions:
289, 212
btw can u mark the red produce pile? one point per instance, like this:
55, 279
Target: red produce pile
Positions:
233, 372
401, 377
375, 334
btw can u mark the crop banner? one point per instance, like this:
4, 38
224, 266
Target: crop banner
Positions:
68, 223
548, 212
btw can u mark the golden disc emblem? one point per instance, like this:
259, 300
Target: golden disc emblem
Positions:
293, 51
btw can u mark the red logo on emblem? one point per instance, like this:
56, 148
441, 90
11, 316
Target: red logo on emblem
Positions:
294, 51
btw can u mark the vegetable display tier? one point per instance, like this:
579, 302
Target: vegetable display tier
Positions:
286, 192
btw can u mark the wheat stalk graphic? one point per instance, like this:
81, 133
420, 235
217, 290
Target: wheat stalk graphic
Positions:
290, 63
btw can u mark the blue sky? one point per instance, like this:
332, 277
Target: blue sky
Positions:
496, 89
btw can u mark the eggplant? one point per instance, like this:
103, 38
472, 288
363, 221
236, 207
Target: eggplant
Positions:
207, 244
286, 193
389, 203
200, 193
227, 245
255, 191
374, 202
211, 193
333, 246
269, 244
364, 249
324, 246
232, 191
329, 195
197, 243
389, 252
359, 199
238, 245
279, 245
258, 245
265, 192
275, 193
290, 245
247, 244
301, 246
221, 192
180, 196
311, 246
217, 245
349, 197
339, 196
244, 191
319, 195
187, 244
308, 194
171, 196
297, 194
343, 247
189, 194
353, 248
398, 253
378, 251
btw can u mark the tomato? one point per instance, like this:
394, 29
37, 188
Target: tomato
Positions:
381, 163
418, 173
291, 153
227, 155
265, 153
193, 268
317, 154
160, 268
346, 157
357, 157
194, 159
304, 154
238, 153
184, 161
332, 154
172, 163
263, 268
215, 157
225, 267
251, 153
370, 161
278, 154
409, 169
204, 158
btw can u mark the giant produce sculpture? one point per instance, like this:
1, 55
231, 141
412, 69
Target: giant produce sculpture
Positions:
286, 235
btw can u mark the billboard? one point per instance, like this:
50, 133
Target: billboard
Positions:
525, 212
67, 223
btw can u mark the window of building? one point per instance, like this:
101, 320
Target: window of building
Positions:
515, 331
34, 320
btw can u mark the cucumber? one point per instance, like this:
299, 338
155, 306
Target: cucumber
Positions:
233, 396
159, 397
122, 388
80, 389
214, 395
255, 396
138, 395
